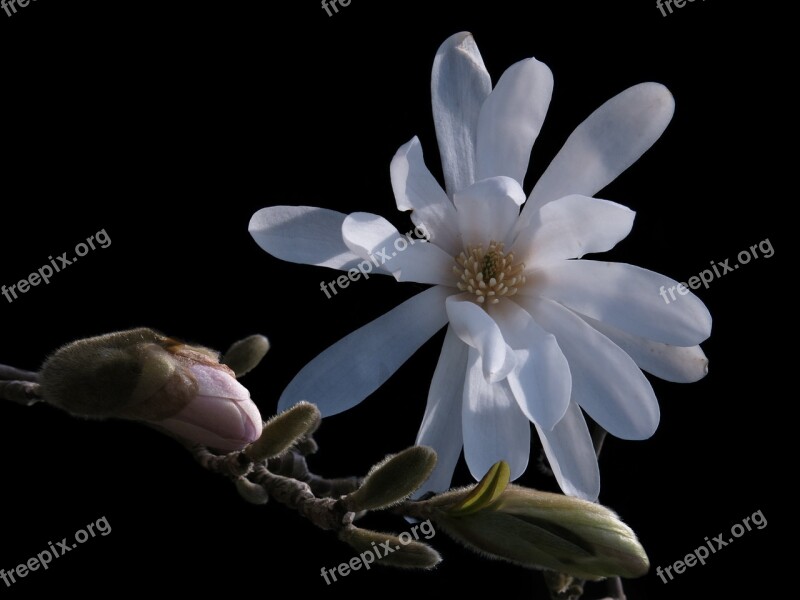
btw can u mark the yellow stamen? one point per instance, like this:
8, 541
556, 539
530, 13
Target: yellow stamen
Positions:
489, 274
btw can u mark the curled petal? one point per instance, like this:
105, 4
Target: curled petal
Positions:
488, 209
303, 234
477, 329
541, 381
571, 227
415, 189
378, 243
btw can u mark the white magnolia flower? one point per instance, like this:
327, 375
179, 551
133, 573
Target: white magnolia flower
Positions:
532, 334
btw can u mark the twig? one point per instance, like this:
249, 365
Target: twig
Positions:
8, 373
614, 584
21, 387
614, 587
293, 464
325, 513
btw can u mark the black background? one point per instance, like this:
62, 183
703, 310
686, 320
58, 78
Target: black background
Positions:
168, 126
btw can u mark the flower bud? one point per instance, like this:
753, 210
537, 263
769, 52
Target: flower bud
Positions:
392, 480
144, 376
540, 530
284, 430
243, 356
390, 550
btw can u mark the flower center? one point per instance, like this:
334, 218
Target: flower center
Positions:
489, 274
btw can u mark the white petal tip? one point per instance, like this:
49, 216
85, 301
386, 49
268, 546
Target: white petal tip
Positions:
645, 433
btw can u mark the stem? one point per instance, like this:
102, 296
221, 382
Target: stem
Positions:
325, 513
614, 584
563, 586
286, 478
8, 373
21, 392
293, 464
614, 587
21, 387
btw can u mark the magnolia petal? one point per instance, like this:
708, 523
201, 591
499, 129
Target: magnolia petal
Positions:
198, 434
365, 234
541, 381
487, 210
606, 382
217, 382
627, 297
672, 363
378, 242
477, 329
415, 189
511, 118
358, 364
422, 262
221, 415
303, 234
571, 227
570, 451
610, 140
459, 86
494, 426
441, 425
